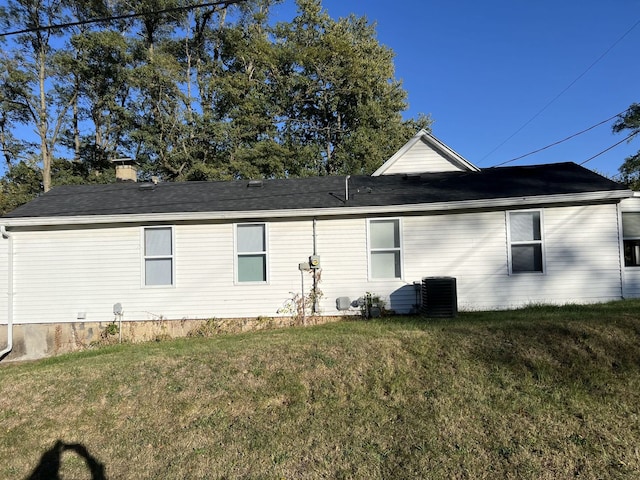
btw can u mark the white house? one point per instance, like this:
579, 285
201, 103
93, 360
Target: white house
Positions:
179, 252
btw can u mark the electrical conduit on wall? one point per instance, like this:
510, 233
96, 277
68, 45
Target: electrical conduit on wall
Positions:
9, 347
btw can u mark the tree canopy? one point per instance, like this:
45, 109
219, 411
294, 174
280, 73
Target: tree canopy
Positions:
630, 169
219, 91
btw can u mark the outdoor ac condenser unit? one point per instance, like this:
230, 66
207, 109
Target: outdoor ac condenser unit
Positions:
439, 297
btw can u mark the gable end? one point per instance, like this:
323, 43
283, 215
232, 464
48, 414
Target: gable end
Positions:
424, 153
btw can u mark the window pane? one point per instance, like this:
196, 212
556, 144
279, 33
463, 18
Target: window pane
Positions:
526, 258
158, 271
525, 226
631, 224
385, 233
157, 242
632, 253
251, 238
385, 264
252, 268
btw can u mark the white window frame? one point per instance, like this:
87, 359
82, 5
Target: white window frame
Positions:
626, 237
145, 257
371, 250
511, 243
238, 254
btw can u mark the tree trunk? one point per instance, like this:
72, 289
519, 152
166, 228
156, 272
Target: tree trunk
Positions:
43, 125
76, 123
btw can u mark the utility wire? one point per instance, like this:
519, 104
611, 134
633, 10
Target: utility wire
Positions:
565, 90
561, 141
226, 3
611, 147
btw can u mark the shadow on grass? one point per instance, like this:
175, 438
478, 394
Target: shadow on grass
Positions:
49, 466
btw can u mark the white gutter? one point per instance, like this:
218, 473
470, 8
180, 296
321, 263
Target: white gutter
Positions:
509, 202
9, 347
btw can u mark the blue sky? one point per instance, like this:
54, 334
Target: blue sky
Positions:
484, 70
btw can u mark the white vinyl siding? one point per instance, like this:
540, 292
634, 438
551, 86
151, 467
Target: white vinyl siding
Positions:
422, 158
90, 269
526, 252
158, 256
581, 257
251, 247
385, 252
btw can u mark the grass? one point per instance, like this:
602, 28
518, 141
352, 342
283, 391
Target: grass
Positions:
543, 392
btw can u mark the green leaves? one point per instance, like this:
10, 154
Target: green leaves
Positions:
630, 169
344, 98
629, 120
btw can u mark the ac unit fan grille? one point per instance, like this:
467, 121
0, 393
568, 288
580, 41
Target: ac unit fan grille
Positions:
439, 297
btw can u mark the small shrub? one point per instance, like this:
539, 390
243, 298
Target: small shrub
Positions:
110, 330
207, 329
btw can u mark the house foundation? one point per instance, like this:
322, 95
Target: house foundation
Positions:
41, 340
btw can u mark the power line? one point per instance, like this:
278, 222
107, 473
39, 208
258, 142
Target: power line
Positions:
126, 16
561, 141
611, 147
565, 90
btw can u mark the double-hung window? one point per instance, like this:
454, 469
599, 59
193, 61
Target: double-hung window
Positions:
631, 238
385, 251
525, 238
251, 249
158, 256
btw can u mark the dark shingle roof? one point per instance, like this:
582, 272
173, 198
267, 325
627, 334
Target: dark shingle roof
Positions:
314, 192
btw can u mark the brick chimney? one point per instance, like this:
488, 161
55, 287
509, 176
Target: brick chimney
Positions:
125, 170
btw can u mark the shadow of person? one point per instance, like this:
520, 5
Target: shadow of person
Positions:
49, 466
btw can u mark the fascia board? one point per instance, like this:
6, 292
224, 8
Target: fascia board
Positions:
437, 207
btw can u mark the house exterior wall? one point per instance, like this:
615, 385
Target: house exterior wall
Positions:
582, 258
73, 275
84, 272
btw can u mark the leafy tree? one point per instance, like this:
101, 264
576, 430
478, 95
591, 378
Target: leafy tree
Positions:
630, 169
249, 104
23, 180
32, 74
100, 66
312, 96
95, 61
216, 92
345, 103
21, 183
156, 77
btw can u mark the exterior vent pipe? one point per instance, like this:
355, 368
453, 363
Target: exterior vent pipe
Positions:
9, 346
346, 188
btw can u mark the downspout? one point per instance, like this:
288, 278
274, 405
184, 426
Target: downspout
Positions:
314, 307
620, 250
9, 347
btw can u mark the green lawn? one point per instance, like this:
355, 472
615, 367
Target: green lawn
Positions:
536, 393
